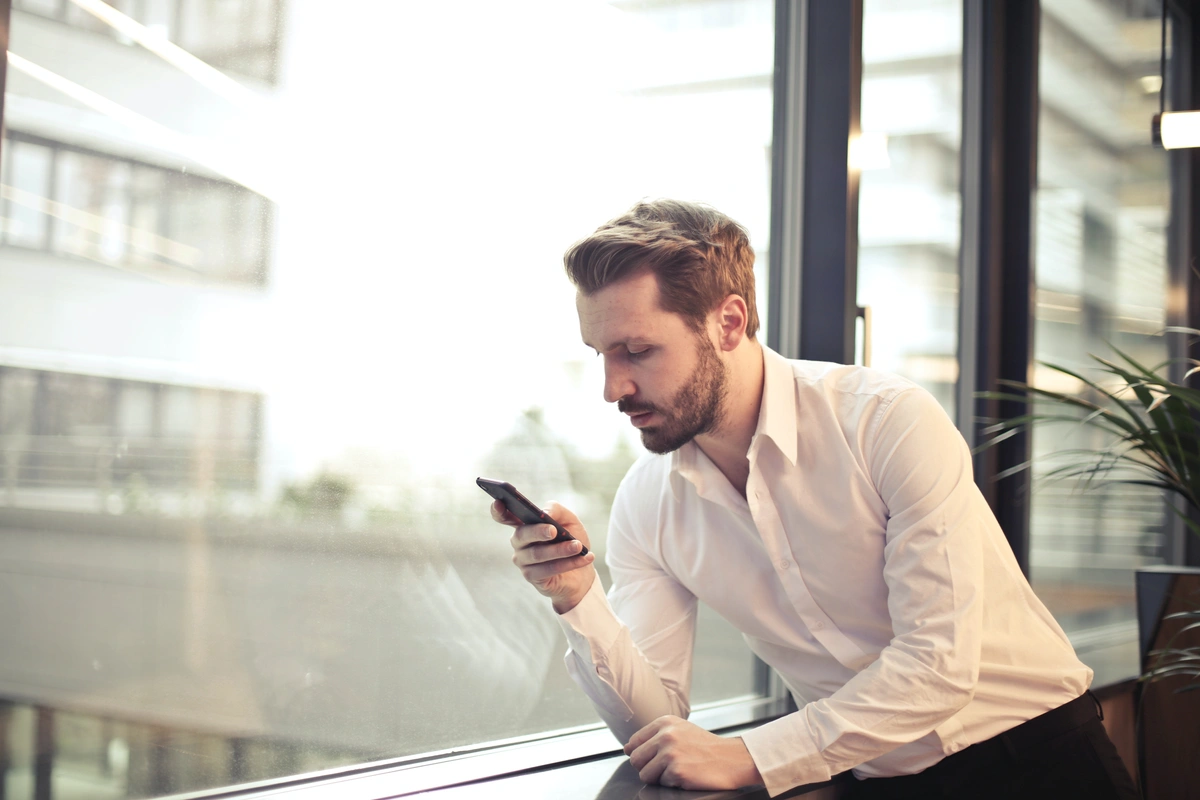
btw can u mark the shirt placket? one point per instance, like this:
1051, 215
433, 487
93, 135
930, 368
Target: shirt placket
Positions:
775, 540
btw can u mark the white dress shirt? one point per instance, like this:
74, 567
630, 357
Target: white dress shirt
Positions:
863, 565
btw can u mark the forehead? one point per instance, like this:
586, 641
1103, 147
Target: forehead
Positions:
626, 311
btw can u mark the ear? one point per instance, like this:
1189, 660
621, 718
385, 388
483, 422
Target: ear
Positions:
730, 318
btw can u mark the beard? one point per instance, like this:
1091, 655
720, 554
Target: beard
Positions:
697, 408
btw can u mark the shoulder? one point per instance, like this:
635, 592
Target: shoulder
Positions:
857, 396
857, 408
642, 489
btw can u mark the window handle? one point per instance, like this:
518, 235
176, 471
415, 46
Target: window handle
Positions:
864, 313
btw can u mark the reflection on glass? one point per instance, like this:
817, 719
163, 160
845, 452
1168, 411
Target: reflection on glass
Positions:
908, 223
1101, 234
261, 352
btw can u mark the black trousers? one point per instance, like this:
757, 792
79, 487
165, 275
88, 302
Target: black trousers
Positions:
1062, 754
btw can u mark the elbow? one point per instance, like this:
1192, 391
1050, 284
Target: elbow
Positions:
961, 698
959, 686
945, 678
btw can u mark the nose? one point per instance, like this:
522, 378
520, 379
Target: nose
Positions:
617, 383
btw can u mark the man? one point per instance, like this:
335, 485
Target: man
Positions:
829, 513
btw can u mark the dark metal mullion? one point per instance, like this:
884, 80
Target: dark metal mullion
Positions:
828, 302
1019, 127
999, 169
787, 176
1183, 236
976, 239
783, 277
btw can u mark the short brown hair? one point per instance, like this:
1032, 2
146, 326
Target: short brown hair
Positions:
699, 256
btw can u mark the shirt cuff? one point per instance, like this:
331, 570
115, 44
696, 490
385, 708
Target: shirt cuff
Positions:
786, 754
591, 626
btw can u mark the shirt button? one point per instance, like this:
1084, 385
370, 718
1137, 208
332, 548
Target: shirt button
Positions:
818, 626
784, 564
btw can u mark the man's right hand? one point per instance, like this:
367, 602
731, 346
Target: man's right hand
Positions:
555, 570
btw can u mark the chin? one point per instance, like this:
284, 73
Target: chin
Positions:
660, 445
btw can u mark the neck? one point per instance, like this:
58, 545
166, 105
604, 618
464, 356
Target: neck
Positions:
729, 444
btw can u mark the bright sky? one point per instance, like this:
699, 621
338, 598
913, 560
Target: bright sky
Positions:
431, 174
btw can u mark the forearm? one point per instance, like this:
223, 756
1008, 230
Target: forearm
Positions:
626, 689
889, 705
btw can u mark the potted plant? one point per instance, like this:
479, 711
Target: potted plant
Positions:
1148, 434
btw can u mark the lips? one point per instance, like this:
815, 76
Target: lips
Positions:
641, 419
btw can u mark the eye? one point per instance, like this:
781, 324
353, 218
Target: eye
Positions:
637, 355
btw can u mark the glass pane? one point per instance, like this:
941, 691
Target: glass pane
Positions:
147, 245
76, 15
159, 16
233, 34
17, 390
908, 218
303, 304
135, 410
94, 193
27, 189
1101, 238
49, 8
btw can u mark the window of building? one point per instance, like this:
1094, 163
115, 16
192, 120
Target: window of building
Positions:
87, 442
26, 188
241, 36
123, 213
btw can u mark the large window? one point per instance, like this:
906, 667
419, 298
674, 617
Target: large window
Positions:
296, 571
1101, 243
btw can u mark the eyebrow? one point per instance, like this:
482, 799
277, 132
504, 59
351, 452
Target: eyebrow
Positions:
626, 342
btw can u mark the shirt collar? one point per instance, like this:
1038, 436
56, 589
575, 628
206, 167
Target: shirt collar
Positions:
777, 412
776, 421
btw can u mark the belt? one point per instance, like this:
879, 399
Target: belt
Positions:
1029, 735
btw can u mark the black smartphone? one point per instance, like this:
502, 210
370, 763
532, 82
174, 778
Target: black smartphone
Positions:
520, 507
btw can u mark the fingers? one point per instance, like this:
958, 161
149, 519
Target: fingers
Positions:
654, 769
528, 555
647, 732
501, 514
528, 535
641, 737
543, 571
561, 514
